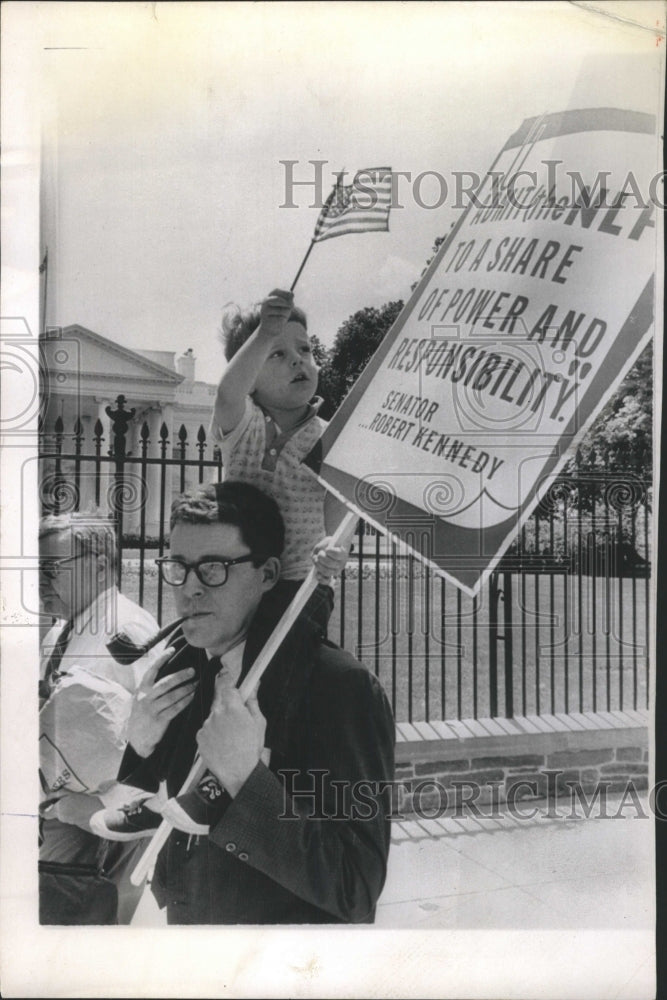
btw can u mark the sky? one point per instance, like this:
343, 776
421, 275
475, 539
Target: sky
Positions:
165, 126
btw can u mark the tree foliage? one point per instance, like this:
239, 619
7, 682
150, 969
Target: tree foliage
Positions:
356, 342
439, 240
621, 438
613, 467
320, 353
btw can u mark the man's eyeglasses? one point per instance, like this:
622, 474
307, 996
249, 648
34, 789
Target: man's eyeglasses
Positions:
51, 567
211, 572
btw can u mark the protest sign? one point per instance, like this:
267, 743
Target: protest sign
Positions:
524, 324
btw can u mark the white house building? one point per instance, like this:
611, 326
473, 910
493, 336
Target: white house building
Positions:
83, 375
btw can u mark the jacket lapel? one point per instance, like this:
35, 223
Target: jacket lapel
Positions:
284, 682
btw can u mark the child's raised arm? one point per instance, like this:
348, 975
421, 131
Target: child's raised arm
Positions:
240, 375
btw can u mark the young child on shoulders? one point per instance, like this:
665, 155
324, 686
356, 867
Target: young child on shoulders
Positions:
265, 422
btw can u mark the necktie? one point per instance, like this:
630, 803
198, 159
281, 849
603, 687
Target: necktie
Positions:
214, 665
208, 788
52, 667
207, 687
216, 668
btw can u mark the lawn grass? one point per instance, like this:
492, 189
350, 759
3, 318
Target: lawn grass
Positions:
578, 644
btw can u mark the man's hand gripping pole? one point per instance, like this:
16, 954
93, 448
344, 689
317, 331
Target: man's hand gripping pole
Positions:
342, 536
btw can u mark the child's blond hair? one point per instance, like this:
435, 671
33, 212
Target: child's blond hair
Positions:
240, 324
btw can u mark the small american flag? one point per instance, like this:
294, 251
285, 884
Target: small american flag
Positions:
360, 207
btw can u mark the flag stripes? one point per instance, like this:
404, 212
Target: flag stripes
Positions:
360, 207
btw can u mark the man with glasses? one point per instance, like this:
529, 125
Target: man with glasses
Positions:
293, 813
85, 701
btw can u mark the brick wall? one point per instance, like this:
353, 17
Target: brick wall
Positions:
487, 770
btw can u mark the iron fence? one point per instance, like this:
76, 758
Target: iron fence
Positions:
561, 626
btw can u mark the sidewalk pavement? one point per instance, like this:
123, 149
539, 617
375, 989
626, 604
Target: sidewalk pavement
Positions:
512, 874
539, 873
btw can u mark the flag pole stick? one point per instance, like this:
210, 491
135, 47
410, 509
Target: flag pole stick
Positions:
303, 264
342, 535
314, 241
44, 267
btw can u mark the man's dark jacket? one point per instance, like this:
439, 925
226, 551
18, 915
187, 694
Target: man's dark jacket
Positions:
273, 856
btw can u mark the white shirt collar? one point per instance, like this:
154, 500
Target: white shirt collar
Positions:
312, 410
232, 660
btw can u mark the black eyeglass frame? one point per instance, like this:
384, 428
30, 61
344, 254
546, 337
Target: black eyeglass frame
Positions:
50, 566
188, 566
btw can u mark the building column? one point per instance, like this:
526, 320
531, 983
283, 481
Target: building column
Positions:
162, 414
106, 477
136, 489
87, 475
170, 480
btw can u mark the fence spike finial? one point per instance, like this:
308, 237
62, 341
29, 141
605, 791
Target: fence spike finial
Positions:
120, 422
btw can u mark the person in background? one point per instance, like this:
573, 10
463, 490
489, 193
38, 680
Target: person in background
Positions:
85, 701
